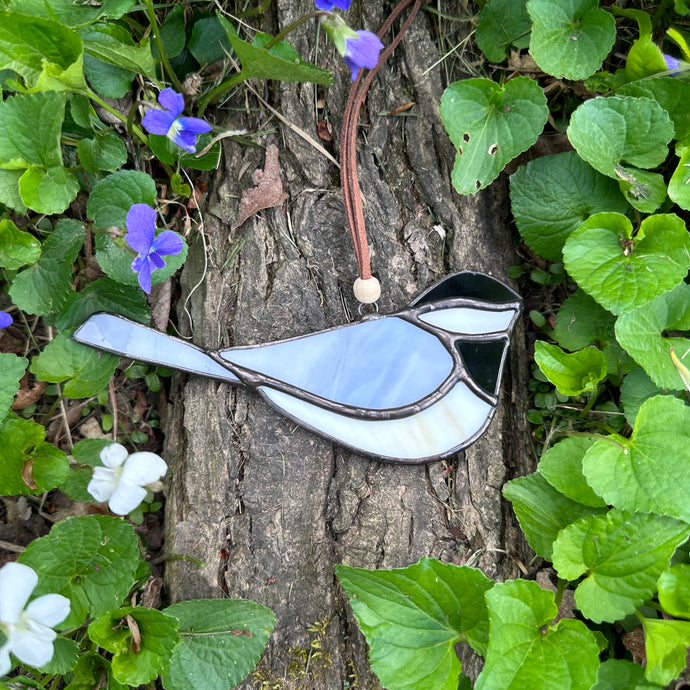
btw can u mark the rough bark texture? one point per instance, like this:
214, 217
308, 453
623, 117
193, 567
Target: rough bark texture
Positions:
267, 506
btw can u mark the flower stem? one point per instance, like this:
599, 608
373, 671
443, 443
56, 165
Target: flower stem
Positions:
131, 128
150, 13
218, 92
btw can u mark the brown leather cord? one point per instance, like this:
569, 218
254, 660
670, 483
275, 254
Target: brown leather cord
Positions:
348, 155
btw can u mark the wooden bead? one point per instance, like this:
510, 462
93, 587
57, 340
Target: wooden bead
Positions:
367, 291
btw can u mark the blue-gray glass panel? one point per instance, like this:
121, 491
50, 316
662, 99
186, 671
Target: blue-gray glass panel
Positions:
379, 364
434, 431
470, 320
115, 334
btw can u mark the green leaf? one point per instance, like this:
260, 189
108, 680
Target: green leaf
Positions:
551, 196
25, 455
116, 261
644, 190
642, 332
104, 152
85, 369
209, 42
679, 185
91, 560
104, 294
9, 189
90, 670
666, 645
113, 45
607, 132
169, 152
636, 388
527, 651
581, 321
136, 662
618, 674
571, 373
43, 287
46, 54
672, 95
644, 59
500, 25
112, 197
621, 555
489, 125
280, 62
561, 466
65, 655
71, 14
172, 33
621, 269
542, 511
12, 369
650, 471
221, 640
48, 191
108, 80
413, 617
674, 590
17, 248
570, 38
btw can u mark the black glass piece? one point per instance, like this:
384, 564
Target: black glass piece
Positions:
471, 285
483, 361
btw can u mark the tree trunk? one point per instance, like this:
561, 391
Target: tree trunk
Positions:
269, 507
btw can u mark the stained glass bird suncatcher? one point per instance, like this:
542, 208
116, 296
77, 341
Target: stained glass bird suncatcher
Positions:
411, 387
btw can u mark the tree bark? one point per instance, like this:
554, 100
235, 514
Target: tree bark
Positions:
267, 506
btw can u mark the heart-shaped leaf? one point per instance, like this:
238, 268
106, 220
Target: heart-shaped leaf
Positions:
608, 132
551, 196
221, 642
621, 270
561, 466
489, 125
500, 25
570, 38
672, 95
635, 389
622, 555
542, 510
644, 190
413, 617
527, 650
650, 471
645, 333
674, 590
582, 321
572, 373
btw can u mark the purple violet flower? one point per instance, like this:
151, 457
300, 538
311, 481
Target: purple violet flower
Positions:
5, 319
141, 236
328, 6
182, 130
672, 64
362, 50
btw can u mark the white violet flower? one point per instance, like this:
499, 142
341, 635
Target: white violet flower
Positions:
28, 628
124, 479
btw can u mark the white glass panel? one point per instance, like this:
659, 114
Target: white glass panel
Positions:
470, 321
379, 364
123, 337
436, 430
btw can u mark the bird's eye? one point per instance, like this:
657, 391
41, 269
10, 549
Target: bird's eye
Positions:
484, 361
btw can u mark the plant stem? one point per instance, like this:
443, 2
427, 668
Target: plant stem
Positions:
150, 13
219, 91
125, 120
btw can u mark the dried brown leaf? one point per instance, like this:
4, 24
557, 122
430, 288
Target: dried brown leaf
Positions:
267, 191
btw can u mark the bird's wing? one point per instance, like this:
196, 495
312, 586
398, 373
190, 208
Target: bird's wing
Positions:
382, 364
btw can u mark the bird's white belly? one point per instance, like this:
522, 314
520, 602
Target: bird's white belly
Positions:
447, 425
